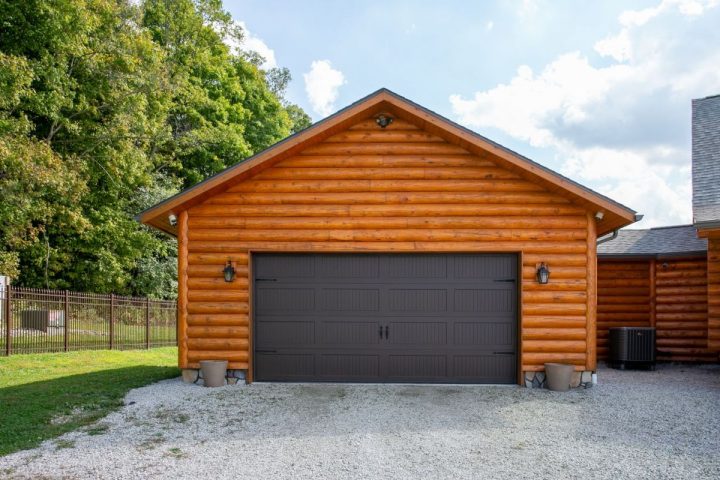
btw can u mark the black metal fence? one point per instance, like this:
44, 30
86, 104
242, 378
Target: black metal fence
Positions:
38, 321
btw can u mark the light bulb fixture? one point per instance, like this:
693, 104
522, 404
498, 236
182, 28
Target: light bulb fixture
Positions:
543, 274
229, 271
383, 120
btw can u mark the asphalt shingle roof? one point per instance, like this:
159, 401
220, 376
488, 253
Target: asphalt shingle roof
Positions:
680, 239
706, 160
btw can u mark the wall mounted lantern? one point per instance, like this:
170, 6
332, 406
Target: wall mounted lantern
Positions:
229, 271
383, 120
543, 274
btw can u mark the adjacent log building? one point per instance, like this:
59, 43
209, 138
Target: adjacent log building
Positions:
657, 278
386, 243
669, 278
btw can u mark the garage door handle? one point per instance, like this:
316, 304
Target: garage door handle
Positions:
387, 332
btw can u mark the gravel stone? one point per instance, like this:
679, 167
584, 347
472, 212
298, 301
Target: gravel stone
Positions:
633, 424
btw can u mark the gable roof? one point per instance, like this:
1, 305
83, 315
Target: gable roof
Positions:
706, 161
655, 242
615, 215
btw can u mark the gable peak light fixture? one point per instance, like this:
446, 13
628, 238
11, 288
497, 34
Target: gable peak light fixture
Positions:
543, 274
383, 120
229, 271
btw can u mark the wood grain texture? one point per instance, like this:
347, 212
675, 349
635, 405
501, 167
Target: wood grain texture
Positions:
672, 295
182, 289
682, 311
396, 190
591, 297
623, 298
713, 288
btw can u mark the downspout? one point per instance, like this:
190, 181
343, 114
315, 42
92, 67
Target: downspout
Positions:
608, 238
615, 232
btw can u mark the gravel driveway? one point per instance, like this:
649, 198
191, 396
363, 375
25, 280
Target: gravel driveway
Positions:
653, 425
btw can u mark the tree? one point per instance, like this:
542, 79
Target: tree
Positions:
107, 107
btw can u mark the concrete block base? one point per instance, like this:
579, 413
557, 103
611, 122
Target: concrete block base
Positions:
233, 377
537, 379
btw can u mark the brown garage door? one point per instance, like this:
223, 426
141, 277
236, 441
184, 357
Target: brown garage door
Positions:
440, 318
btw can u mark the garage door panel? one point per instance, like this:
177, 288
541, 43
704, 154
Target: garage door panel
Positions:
287, 266
416, 267
492, 368
484, 300
386, 317
348, 332
347, 266
280, 366
489, 266
500, 336
350, 300
419, 334
349, 366
417, 300
274, 300
410, 367
284, 333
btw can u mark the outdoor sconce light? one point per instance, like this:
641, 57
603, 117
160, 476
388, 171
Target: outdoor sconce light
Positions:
383, 120
229, 271
543, 274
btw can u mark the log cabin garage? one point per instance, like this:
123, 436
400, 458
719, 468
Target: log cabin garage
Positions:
387, 244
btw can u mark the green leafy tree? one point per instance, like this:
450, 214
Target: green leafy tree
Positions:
108, 106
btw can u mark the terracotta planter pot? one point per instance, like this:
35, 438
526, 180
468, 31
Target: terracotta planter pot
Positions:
213, 372
558, 376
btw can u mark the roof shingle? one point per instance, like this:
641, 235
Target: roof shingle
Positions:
706, 160
662, 241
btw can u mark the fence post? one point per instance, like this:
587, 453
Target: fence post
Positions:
8, 320
147, 323
112, 319
66, 321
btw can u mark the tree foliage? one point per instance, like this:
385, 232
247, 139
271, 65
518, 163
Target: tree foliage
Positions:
106, 107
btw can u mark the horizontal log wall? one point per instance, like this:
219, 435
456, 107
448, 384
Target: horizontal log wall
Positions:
680, 301
681, 306
623, 298
713, 270
394, 190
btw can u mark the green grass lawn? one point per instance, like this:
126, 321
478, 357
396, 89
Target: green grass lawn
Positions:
45, 395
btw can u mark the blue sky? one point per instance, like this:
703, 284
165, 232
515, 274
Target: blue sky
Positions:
599, 91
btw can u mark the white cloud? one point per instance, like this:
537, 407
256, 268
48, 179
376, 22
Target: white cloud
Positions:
638, 18
322, 84
489, 25
252, 43
617, 46
622, 127
528, 7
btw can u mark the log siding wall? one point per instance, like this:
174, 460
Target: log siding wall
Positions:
394, 190
671, 295
623, 298
713, 269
